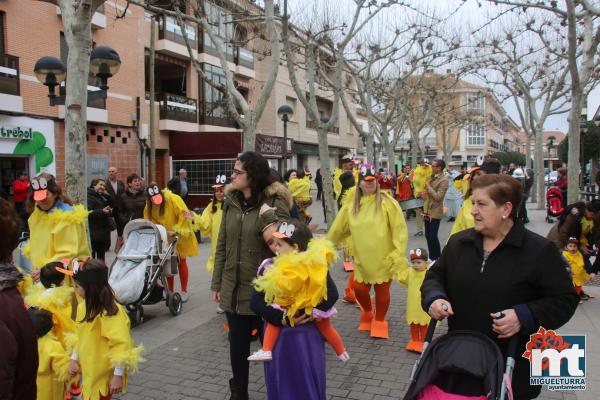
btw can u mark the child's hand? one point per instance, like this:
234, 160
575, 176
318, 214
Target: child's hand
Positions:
73, 368
116, 384
35, 275
189, 215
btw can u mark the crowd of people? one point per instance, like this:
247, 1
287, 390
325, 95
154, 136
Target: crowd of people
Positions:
271, 277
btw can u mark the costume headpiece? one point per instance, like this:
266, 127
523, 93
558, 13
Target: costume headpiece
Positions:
573, 240
220, 181
82, 274
367, 173
155, 194
40, 186
418, 254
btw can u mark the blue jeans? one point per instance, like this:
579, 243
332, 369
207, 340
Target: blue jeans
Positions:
431, 234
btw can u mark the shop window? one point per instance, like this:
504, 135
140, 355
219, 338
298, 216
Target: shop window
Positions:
202, 173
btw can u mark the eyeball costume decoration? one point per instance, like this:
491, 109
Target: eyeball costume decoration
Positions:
40, 186
220, 180
155, 195
413, 278
367, 173
285, 231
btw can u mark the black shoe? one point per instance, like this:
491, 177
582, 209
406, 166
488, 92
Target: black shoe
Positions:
584, 296
238, 391
451, 219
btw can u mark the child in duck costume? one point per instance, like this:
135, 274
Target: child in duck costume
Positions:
57, 229
297, 280
415, 316
104, 351
168, 209
300, 189
209, 222
376, 224
53, 366
575, 259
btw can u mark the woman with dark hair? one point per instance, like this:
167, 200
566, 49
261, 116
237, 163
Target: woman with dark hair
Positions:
19, 355
498, 266
289, 175
101, 212
57, 227
240, 250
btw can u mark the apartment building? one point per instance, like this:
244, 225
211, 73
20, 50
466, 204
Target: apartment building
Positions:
193, 128
467, 121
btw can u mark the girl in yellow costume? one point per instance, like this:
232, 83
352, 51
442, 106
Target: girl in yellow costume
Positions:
464, 219
57, 228
53, 366
104, 351
167, 209
300, 189
379, 235
297, 280
575, 259
415, 316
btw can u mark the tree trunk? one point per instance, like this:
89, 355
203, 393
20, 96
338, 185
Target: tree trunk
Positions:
594, 170
152, 99
539, 167
529, 164
574, 149
327, 177
414, 152
250, 138
391, 155
369, 150
78, 34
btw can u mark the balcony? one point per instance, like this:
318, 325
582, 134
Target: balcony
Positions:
9, 75
311, 125
497, 146
215, 113
177, 108
171, 40
245, 58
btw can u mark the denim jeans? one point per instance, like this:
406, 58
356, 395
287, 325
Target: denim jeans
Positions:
431, 234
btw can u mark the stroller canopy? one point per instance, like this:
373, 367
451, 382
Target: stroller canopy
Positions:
464, 363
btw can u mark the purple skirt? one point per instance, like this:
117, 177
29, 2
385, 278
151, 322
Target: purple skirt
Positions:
297, 371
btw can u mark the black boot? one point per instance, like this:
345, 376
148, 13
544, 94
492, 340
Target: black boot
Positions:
238, 391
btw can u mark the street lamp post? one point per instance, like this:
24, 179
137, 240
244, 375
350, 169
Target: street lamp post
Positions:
51, 71
285, 113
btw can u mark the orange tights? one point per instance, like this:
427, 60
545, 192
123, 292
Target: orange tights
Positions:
418, 332
323, 325
362, 291
183, 276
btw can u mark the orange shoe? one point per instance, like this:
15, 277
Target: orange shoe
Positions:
379, 329
226, 327
365, 321
410, 346
348, 266
349, 296
418, 347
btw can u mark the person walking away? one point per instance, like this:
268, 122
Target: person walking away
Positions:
420, 176
130, 205
435, 190
404, 189
183, 184
319, 183
18, 352
100, 218
562, 182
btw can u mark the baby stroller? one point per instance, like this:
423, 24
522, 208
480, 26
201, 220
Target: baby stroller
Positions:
138, 274
554, 201
461, 364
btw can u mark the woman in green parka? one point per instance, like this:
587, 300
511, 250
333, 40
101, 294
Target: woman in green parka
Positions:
240, 250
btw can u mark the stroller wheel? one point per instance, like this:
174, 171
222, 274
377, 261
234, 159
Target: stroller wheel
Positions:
174, 303
136, 314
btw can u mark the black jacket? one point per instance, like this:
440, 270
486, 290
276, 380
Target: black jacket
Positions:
130, 206
111, 193
524, 272
99, 222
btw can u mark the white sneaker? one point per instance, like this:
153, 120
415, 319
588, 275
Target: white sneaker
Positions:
344, 356
184, 297
261, 355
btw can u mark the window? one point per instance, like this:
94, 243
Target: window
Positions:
202, 173
214, 110
290, 101
475, 102
475, 135
222, 23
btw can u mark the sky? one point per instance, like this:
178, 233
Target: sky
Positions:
468, 14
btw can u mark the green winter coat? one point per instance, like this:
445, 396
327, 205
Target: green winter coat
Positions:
241, 248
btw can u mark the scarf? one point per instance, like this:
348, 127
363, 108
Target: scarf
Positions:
9, 276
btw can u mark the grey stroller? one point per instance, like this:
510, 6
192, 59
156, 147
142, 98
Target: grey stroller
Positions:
138, 274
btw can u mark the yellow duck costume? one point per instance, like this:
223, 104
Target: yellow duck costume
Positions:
52, 374
57, 300
56, 234
464, 218
209, 224
421, 175
300, 189
580, 276
102, 345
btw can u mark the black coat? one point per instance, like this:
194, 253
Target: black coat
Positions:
111, 193
99, 222
524, 272
130, 206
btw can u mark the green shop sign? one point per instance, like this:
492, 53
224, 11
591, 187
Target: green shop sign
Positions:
16, 132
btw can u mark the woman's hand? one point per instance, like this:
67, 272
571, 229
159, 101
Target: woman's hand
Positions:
107, 210
73, 368
216, 296
303, 319
116, 384
507, 325
440, 309
189, 215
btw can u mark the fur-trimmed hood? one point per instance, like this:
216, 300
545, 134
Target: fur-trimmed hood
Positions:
274, 189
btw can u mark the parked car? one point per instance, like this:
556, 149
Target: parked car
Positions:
551, 178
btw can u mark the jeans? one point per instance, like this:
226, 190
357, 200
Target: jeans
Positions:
240, 335
431, 234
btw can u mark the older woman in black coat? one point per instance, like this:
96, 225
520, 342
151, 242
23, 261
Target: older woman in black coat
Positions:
499, 266
101, 219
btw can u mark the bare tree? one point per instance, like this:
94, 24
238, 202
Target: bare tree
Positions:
579, 47
207, 16
77, 21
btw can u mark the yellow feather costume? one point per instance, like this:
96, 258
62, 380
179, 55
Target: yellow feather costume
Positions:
300, 188
413, 280
580, 276
58, 301
298, 281
102, 345
57, 234
209, 225
52, 373
379, 238
173, 220
464, 219
421, 175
